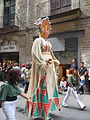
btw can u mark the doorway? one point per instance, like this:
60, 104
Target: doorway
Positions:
9, 57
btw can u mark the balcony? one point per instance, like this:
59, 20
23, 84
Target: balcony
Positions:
8, 23
57, 7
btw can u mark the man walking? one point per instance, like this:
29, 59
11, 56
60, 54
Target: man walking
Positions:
83, 77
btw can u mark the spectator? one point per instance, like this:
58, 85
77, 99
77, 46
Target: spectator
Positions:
10, 66
74, 64
23, 74
4, 70
8, 94
16, 66
63, 84
72, 89
27, 76
83, 77
1, 74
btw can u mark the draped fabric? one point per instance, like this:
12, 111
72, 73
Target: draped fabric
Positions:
43, 88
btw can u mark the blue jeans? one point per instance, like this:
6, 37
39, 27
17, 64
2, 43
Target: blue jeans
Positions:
81, 84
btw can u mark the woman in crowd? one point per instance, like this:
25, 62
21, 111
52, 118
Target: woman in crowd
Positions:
8, 94
72, 89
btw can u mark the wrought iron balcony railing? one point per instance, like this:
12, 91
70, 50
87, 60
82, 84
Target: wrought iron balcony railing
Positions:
11, 20
7, 20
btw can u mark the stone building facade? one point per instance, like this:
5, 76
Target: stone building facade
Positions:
70, 23
70, 28
16, 34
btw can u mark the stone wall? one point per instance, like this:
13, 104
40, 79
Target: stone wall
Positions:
21, 13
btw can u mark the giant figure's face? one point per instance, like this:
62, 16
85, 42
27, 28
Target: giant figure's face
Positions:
44, 34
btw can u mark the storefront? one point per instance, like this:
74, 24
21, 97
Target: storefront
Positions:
9, 51
66, 47
11, 57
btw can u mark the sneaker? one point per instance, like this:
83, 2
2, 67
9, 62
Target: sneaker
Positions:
83, 108
64, 106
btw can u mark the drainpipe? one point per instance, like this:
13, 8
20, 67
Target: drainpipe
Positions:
79, 3
27, 14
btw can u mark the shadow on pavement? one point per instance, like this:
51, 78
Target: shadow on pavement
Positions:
75, 108
18, 109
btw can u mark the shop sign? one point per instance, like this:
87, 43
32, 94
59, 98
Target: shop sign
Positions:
10, 48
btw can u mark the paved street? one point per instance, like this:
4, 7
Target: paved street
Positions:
71, 113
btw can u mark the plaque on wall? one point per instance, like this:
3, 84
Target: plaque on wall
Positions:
11, 48
8, 46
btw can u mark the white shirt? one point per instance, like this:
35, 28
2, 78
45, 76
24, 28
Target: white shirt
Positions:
22, 72
62, 84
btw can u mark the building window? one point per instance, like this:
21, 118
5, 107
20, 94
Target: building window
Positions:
66, 3
55, 4
9, 12
58, 6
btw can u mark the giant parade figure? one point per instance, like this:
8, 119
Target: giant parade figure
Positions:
43, 88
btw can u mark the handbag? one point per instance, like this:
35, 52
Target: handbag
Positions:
83, 81
82, 77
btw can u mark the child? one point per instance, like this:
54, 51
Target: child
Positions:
8, 94
63, 84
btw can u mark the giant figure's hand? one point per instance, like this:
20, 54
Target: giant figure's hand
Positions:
56, 62
45, 66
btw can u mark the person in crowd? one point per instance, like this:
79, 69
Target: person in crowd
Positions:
43, 88
83, 77
27, 76
63, 84
23, 74
16, 66
8, 94
72, 89
4, 70
1, 74
9, 66
74, 64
